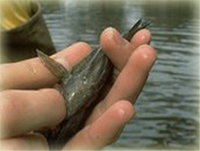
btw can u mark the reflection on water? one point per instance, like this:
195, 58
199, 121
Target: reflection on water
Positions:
167, 109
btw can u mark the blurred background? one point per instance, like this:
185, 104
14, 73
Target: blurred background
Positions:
168, 108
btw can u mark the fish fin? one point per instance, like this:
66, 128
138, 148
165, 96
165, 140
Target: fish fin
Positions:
146, 23
54, 67
140, 24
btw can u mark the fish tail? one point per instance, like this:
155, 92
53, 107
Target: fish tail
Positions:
140, 24
54, 67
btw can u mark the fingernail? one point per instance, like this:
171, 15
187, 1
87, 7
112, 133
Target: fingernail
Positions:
65, 63
114, 35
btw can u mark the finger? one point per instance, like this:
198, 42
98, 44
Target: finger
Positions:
118, 49
24, 111
32, 73
26, 142
114, 46
141, 37
130, 81
104, 130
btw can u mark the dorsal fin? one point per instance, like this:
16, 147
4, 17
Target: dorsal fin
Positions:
54, 67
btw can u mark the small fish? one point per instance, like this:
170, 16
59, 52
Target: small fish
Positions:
82, 88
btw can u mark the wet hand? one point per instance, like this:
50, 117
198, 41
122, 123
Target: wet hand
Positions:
28, 101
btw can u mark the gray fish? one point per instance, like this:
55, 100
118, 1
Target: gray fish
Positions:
82, 88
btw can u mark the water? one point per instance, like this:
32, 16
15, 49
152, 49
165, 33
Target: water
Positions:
168, 108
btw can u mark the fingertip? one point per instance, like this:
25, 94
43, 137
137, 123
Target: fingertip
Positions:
106, 38
73, 55
141, 37
114, 45
148, 52
81, 47
111, 38
124, 110
84, 47
145, 56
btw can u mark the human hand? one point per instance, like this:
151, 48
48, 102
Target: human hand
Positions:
28, 101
